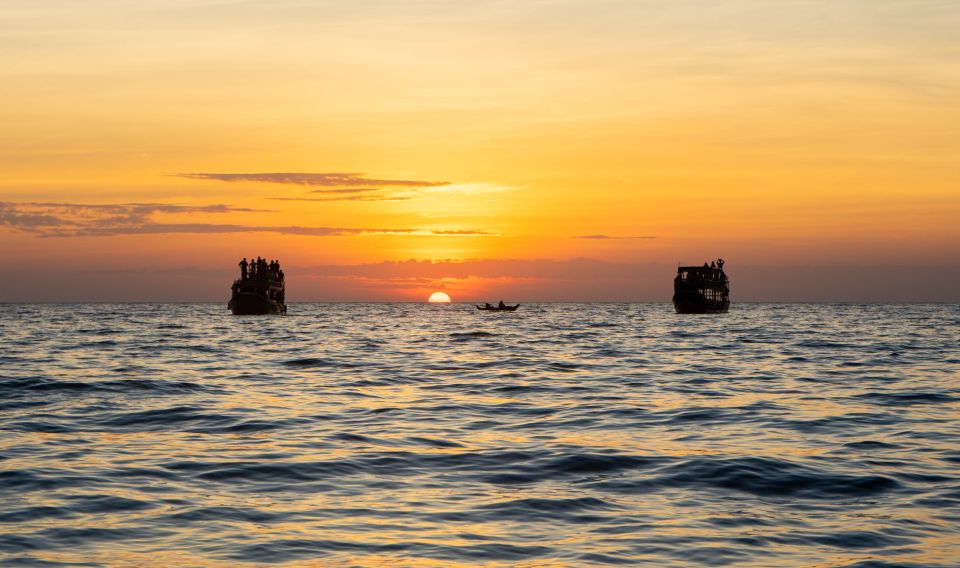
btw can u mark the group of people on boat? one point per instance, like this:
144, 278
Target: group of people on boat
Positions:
499, 306
260, 268
718, 264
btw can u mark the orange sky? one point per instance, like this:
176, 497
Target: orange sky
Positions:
148, 135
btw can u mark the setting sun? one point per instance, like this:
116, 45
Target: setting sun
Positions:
439, 298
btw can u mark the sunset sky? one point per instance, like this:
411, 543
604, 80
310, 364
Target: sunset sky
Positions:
526, 150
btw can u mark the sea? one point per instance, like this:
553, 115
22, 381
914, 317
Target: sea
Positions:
824, 435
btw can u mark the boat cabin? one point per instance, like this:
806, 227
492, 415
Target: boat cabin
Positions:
701, 289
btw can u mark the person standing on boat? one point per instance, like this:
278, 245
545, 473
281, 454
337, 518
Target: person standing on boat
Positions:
501, 305
243, 268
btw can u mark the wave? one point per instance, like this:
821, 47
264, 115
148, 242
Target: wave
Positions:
578, 435
22, 386
905, 398
764, 477
468, 335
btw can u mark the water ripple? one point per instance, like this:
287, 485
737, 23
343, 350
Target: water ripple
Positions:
403, 434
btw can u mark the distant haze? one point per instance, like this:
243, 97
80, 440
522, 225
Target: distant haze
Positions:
515, 281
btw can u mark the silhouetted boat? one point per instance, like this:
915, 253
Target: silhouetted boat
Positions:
258, 294
701, 289
498, 308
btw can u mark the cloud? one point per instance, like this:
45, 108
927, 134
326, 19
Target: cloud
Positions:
606, 237
351, 186
11, 217
350, 194
137, 208
346, 198
461, 232
312, 179
99, 220
347, 190
65, 219
212, 228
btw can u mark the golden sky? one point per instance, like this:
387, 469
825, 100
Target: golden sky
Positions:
170, 134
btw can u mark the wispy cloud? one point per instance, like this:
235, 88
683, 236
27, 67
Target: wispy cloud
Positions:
99, 220
347, 190
211, 228
460, 232
335, 179
351, 186
131, 208
65, 219
346, 198
611, 237
352, 194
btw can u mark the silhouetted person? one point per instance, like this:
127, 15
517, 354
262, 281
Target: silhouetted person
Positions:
488, 305
501, 305
243, 268
713, 264
720, 263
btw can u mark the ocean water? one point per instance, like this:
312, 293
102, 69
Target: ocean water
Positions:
406, 434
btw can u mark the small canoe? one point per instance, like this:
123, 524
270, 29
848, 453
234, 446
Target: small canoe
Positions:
498, 308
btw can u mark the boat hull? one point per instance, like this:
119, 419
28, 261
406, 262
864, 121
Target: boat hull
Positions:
690, 302
254, 305
684, 306
496, 309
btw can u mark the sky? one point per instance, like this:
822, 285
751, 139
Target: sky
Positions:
554, 150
